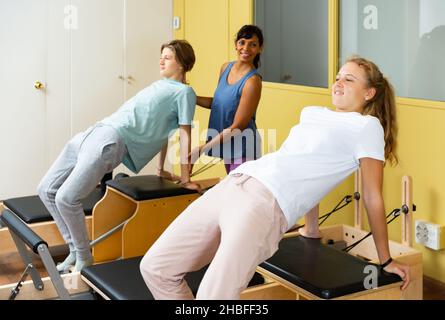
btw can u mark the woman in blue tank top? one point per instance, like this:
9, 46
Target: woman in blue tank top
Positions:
232, 132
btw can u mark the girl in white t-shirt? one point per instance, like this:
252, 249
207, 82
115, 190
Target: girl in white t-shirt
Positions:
238, 223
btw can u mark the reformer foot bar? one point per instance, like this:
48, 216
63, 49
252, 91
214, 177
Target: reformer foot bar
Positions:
23, 237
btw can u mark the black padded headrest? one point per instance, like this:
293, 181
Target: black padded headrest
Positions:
122, 279
31, 209
20, 229
148, 187
321, 269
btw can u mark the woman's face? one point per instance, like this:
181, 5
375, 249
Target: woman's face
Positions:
168, 66
247, 49
350, 91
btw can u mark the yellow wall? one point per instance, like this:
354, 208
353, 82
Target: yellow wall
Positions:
210, 26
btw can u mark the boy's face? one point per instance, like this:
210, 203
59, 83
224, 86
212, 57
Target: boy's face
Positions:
168, 66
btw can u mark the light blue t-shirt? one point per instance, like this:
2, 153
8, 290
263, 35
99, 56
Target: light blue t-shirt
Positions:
146, 121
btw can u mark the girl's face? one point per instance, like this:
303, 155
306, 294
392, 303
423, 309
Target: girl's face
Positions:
350, 91
247, 49
169, 67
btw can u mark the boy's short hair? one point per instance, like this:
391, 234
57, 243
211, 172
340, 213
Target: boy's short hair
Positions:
185, 55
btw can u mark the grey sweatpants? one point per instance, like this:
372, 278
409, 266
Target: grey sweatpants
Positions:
74, 175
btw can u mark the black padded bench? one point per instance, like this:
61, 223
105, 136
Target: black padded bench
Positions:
148, 187
320, 269
31, 209
122, 280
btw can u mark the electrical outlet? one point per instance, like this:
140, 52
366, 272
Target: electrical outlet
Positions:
430, 235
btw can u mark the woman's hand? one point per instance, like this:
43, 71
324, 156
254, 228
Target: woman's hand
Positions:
401, 270
168, 175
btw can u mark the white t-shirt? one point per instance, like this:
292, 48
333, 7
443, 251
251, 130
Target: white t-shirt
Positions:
319, 153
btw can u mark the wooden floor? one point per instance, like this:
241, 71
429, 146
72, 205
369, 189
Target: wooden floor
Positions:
11, 269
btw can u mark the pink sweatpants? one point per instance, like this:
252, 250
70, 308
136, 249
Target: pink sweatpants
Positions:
234, 226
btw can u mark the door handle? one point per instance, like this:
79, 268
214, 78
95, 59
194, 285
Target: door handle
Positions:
130, 79
38, 85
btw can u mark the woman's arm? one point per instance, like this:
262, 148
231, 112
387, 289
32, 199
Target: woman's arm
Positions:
372, 177
249, 101
205, 102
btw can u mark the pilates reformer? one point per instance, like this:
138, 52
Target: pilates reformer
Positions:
102, 277
281, 281
334, 267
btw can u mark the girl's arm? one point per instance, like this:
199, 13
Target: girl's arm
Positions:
372, 177
249, 101
184, 150
311, 229
161, 159
205, 102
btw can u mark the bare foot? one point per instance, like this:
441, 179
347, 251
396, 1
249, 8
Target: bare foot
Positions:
312, 235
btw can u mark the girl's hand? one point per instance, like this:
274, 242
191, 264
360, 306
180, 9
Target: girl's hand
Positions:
401, 270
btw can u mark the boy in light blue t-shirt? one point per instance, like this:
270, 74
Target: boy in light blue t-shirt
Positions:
133, 135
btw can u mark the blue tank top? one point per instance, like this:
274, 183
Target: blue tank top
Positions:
225, 103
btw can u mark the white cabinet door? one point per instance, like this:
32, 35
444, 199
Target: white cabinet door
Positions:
23, 45
148, 24
97, 61
91, 56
